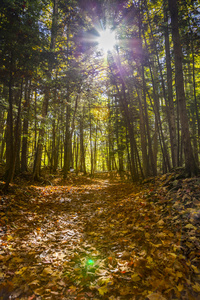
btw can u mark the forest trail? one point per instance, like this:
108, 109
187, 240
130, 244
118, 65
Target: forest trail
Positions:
97, 239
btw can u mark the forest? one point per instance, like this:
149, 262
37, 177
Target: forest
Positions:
67, 101
99, 149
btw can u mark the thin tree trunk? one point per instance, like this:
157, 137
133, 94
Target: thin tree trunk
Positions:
150, 152
190, 164
17, 138
172, 123
67, 143
10, 161
38, 155
82, 148
24, 154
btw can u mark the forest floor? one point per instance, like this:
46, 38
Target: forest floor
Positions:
101, 238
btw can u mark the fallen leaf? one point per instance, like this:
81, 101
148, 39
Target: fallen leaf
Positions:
196, 287
135, 277
156, 296
47, 271
103, 290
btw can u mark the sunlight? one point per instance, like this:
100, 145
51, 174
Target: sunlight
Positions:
107, 40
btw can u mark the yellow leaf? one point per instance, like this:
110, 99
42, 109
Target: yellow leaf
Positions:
173, 255
39, 291
196, 270
161, 235
21, 271
72, 288
179, 274
17, 259
2, 275
149, 259
180, 287
161, 223
103, 290
34, 282
135, 277
47, 271
9, 237
156, 296
170, 234
147, 235
190, 226
196, 287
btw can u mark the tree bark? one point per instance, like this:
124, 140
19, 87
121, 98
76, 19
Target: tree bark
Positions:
24, 166
190, 164
171, 111
82, 148
10, 161
38, 155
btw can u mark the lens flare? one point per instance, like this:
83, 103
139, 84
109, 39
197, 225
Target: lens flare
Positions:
90, 262
107, 40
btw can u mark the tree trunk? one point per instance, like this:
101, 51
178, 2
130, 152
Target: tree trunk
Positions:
82, 148
24, 154
38, 155
152, 162
10, 160
190, 164
171, 113
67, 144
3, 136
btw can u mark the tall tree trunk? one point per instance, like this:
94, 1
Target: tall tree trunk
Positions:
67, 144
95, 150
171, 113
125, 110
152, 162
24, 154
133, 145
82, 148
2, 134
195, 96
38, 155
143, 134
190, 164
10, 161
156, 108
91, 145
17, 138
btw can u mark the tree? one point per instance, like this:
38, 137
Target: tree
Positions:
190, 164
38, 155
19, 23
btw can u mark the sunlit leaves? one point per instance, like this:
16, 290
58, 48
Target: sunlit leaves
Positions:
103, 239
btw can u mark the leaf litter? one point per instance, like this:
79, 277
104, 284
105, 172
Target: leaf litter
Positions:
101, 239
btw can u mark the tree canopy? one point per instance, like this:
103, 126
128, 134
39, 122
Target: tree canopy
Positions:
73, 97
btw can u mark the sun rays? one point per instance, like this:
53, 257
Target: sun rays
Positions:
106, 40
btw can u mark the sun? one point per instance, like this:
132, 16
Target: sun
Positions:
106, 40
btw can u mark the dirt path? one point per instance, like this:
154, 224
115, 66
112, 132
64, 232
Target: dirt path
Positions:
96, 239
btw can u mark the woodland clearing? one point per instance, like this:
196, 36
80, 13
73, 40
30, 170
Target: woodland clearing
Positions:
101, 238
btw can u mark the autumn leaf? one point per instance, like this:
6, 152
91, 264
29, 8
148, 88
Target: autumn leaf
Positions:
34, 282
47, 271
103, 290
196, 287
135, 277
22, 270
156, 296
130, 250
180, 287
